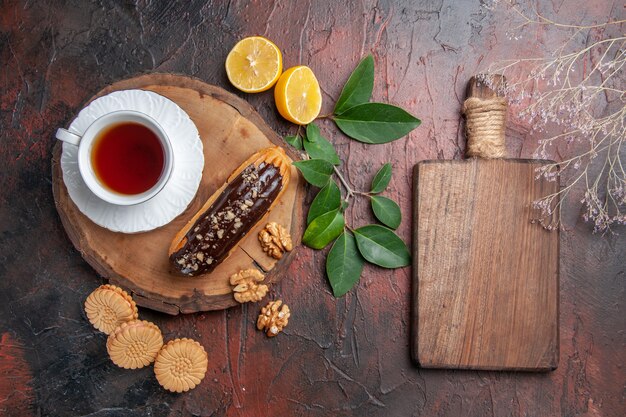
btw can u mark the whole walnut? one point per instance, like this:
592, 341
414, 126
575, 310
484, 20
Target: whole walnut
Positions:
247, 287
275, 240
273, 319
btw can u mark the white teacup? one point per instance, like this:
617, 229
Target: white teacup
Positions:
85, 145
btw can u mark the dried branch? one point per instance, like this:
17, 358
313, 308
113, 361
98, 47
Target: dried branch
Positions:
579, 88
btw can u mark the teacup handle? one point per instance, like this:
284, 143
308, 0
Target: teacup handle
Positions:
68, 137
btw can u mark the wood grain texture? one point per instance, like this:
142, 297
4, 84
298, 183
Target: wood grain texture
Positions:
338, 357
485, 278
139, 262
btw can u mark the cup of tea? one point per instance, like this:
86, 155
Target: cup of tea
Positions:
125, 157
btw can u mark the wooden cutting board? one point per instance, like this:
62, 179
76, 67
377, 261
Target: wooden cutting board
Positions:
485, 279
230, 130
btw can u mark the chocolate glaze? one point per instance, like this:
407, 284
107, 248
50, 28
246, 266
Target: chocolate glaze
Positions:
242, 203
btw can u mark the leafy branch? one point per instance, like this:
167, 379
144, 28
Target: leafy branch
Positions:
372, 123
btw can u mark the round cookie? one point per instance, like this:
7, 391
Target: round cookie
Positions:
134, 344
181, 365
109, 306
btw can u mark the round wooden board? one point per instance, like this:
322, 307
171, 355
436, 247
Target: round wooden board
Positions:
231, 130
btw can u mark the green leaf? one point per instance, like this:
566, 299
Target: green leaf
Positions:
358, 89
381, 179
387, 211
315, 171
318, 147
344, 264
328, 199
324, 229
376, 122
295, 141
311, 134
382, 246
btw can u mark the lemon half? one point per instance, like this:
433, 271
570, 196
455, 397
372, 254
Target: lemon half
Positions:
298, 96
254, 64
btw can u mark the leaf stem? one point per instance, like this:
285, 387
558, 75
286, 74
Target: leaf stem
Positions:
349, 190
344, 182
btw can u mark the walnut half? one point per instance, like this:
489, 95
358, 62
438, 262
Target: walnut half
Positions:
247, 287
273, 319
275, 240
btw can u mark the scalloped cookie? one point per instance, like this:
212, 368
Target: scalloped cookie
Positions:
134, 344
108, 306
181, 365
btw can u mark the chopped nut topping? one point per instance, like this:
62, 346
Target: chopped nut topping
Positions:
250, 175
275, 240
247, 287
273, 319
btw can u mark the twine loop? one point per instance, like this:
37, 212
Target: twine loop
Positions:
485, 125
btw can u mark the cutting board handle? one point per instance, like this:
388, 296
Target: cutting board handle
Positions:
485, 117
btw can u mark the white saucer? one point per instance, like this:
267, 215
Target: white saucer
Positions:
177, 193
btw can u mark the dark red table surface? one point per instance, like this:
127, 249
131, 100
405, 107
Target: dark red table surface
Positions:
337, 357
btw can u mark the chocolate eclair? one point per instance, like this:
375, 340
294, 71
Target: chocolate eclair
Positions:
229, 214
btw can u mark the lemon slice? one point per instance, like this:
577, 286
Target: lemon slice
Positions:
298, 96
254, 64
